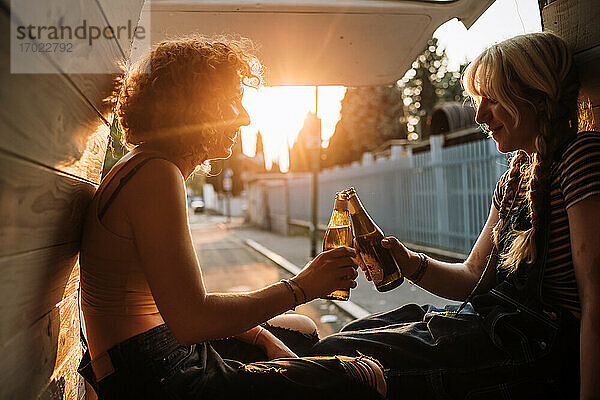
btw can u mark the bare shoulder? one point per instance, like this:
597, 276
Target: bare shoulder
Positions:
157, 172
157, 184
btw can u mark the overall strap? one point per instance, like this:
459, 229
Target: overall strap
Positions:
122, 183
526, 283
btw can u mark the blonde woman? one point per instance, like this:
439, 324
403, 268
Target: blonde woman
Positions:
530, 329
148, 316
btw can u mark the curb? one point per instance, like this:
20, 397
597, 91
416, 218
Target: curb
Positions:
349, 307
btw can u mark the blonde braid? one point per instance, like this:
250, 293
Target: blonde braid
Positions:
557, 127
517, 165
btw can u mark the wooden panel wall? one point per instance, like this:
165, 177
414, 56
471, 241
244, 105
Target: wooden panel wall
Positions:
577, 22
53, 134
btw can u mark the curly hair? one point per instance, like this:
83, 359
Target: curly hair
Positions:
536, 69
175, 90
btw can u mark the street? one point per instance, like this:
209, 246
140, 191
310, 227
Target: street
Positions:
229, 265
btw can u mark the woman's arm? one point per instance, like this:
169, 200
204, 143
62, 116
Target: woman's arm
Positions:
451, 280
272, 346
155, 205
584, 222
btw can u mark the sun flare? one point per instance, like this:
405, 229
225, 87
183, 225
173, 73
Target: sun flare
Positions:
278, 113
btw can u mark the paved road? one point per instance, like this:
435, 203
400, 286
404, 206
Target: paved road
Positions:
221, 246
228, 265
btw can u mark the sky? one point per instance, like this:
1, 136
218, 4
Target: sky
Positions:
279, 112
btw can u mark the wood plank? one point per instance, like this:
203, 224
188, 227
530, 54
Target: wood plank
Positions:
42, 358
94, 86
47, 120
66, 382
126, 13
588, 63
107, 55
33, 284
40, 208
596, 119
114, 13
575, 21
117, 12
91, 49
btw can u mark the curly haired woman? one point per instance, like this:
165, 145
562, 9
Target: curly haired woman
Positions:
532, 321
148, 316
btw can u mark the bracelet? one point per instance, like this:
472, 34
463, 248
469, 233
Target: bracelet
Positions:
260, 329
301, 290
289, 286
423, 264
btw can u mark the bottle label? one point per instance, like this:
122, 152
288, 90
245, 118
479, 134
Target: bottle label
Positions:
373, 266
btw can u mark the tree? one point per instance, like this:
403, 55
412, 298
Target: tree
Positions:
427, 84
299, 155
257, 163
195, 184
259, 149
275, 168
370, 116
115, 149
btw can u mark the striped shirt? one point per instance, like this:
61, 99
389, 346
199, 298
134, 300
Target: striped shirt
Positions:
576, 176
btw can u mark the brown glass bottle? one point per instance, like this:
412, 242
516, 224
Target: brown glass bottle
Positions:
379, 261
338, 233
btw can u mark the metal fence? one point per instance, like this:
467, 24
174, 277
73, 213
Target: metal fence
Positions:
439, 198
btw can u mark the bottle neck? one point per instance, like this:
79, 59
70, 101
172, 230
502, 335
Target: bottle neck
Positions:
354, 205
361, 221
340, 205
339, 218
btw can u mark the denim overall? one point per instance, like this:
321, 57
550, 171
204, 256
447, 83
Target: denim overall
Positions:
505, 344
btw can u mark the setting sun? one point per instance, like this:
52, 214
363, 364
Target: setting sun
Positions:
279, 112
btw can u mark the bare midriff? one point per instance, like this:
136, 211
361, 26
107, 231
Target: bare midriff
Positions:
104, 332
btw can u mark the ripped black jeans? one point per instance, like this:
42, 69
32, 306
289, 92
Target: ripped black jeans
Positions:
496, 352
153, 365
507, 344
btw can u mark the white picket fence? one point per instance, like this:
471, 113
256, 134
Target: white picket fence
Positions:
438, 198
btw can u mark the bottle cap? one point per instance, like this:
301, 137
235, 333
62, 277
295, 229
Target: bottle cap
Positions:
350, 191
341, 196
341, 201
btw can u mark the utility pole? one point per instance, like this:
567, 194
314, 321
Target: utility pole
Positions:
316, 163
227, 186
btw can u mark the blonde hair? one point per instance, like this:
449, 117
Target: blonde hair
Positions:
536, 69
174, 92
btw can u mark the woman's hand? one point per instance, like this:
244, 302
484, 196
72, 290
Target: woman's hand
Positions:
407, 260
361, 263
329, 271
404, 257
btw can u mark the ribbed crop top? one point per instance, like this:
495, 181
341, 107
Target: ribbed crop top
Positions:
112, 281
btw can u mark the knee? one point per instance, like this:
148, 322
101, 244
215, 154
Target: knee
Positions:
367, 371
296, 322
376, 369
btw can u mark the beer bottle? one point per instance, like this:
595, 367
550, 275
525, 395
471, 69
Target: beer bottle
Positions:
379, 261
338, 233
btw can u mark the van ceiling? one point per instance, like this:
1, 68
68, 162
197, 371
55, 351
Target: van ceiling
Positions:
347, 42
